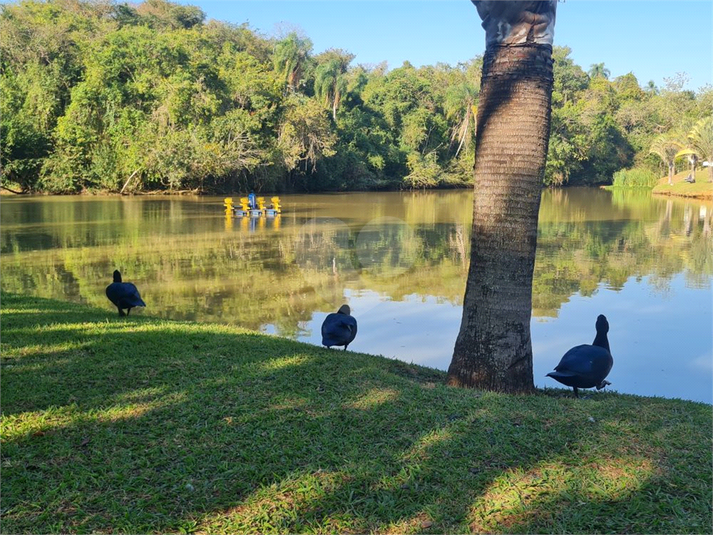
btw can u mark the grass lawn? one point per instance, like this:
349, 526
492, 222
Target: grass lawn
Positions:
139, 425
702, 187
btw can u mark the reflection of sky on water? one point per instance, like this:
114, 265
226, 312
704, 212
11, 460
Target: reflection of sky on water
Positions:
655, 353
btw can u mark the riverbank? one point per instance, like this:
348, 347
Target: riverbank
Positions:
701, 189
144, 425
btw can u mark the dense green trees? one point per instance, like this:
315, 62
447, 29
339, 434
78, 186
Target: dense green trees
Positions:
108, 96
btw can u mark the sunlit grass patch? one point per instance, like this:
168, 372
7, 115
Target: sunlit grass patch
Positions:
552, 491
132, 410
284, 362
292, 506
15, 355
373, 398
418, 523
424, 446
54, 419
702, 188
37, 423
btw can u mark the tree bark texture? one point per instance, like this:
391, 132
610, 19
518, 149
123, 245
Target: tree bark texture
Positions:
493, 350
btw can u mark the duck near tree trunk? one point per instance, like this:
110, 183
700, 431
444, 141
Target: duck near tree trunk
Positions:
587, 366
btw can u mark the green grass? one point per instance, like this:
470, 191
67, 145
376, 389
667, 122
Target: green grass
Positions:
702, 188
138, 425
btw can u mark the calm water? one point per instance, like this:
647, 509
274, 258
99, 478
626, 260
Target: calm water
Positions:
400, 261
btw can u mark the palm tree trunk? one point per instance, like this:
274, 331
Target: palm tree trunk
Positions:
493, 350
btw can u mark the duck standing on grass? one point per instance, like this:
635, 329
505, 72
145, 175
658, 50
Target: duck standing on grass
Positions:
586, 366
123, 295
340, 328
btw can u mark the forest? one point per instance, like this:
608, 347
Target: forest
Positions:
103, 96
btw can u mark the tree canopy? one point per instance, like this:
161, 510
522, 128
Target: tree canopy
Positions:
109, 96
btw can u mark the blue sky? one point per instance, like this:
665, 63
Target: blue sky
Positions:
654, 39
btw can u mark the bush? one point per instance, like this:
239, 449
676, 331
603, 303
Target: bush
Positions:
635, 178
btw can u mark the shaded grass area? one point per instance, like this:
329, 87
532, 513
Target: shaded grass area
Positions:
140, 425
702, 188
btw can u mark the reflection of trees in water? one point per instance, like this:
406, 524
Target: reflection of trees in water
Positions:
643, 237
189, 266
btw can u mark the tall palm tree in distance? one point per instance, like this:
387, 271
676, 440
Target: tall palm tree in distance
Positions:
666, 147
598, 70
330, 82
700, 141
460, 107
290, 58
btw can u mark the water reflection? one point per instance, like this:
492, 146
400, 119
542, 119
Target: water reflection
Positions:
400, 260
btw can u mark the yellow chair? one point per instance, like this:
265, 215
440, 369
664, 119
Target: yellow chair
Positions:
276, 204
228, 203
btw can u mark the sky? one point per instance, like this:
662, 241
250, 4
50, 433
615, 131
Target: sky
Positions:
654, 39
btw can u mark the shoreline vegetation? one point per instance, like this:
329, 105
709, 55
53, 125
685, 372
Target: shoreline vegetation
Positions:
116, 97
145, 425
701, 189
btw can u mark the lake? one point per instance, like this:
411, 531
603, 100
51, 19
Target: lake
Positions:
400, 261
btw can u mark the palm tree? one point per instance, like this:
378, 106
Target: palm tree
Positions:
290, 57
460, 108
493, 349
330, 82
700, 142
598, 70
666, 147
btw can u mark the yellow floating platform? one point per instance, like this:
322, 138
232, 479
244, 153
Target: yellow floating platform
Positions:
244, 209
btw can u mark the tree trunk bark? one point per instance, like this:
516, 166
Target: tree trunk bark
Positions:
493, 350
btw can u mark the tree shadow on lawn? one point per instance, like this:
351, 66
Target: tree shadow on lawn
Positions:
172, 427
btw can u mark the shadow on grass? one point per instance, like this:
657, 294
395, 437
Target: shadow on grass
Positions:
138, 425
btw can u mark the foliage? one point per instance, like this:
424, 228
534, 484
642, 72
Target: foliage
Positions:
290, 58
113, 96
305, 134
598, 70
330, 81
700, 137
666, 146
700, 141
635, 178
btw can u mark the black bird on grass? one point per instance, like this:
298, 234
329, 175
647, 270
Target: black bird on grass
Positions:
587, 366
123, 295
340, 328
